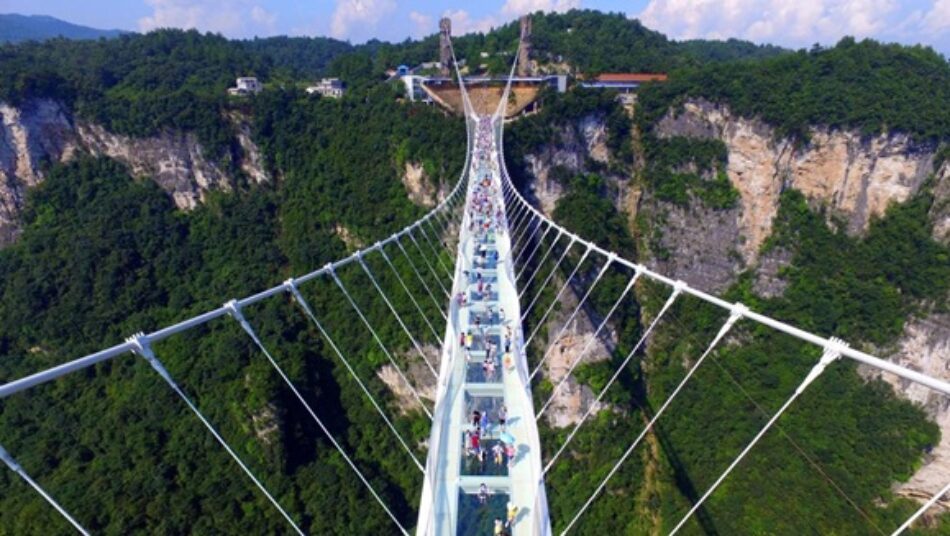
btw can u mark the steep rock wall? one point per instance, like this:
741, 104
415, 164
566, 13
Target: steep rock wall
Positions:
41, 132
856, 177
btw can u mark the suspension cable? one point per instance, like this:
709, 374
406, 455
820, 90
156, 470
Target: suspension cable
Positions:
831, 353
298, 297
590, 409
236, 313
436, 251
395, 313
733, 317
920, 511
435, 275
527, 260
379, 341
577, 309
557, 297
587, 345
540, 263
422, 280
18, 469
142, 347
547, 279
412, 298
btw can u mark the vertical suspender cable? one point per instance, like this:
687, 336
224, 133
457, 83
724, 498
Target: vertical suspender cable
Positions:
16, 468
298, 297
412, 298
236, 313
143, 348
832, 353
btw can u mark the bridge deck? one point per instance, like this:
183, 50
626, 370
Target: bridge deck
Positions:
453, 499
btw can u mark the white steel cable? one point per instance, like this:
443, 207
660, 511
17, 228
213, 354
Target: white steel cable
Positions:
379, 342
422, 280
623, 365
557, 297
547, 279
527, 260
577, 309
18, 469
435, 275
587, 345
412, 298
395, 313
544, 257
920, 511
523, 238
239, 316
142, 347
733, 317
298, 297
436, 251
831, 353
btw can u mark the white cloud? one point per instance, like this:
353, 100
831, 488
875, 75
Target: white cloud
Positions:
422, 24
234, 18
516, 8
777, 21
937, 20
463, 23
357, 19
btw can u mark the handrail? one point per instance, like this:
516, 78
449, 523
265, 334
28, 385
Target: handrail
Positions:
89, 360
817, 340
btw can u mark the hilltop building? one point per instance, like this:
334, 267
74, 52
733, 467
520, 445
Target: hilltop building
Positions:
246, 85
622, 82
328, 87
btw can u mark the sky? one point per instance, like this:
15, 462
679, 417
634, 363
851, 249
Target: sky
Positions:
788, 23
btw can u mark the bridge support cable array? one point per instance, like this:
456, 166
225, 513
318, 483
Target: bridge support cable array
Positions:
920, 511
236, 313
18, 469
422, 280
409, 293
526, 261
831, 354
733, 318
547, 253
547, 279
623, 365
567, 323
587, 345
298, 297
425, 260
402, 324
381, 344
558, 296
142, 347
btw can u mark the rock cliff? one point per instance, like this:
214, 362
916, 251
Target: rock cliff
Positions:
856, 177
42, 132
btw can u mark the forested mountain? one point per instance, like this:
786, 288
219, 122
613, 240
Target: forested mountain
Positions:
17, 28
105, 252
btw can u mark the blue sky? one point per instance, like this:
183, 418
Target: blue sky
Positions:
782, 22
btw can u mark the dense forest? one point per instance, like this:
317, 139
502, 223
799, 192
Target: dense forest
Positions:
104, 254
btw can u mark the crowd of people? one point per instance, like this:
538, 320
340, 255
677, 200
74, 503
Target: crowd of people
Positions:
486, 436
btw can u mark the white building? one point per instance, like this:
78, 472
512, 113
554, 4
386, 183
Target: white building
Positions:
246, 85
328, 87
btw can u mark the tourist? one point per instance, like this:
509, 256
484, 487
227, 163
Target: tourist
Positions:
483, 494
512, 514
502, 417
499, 452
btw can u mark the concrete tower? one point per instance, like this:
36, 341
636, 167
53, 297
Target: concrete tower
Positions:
524, 56
445, 47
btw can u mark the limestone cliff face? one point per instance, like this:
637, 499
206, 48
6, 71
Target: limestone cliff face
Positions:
578, 144
925, 346
418, 186
42, 132
857, 178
